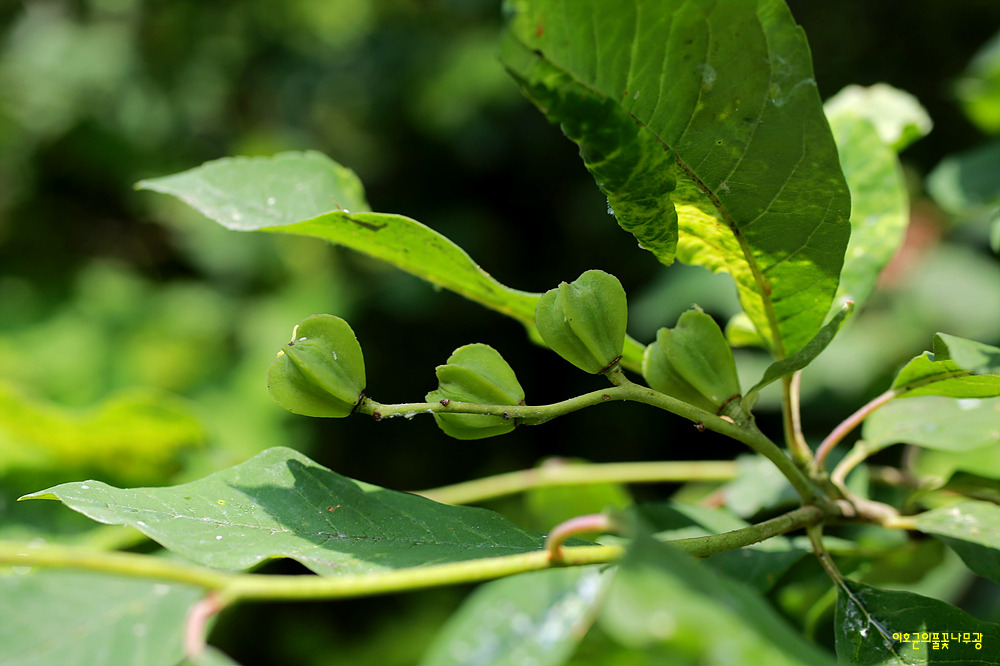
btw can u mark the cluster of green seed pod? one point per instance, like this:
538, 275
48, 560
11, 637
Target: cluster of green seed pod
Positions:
584, 321
694, 363
321, 372
477, 374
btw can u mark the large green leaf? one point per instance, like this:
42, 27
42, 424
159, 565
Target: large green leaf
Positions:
934, 422
661, 597
281, 504
971, 529
725, 91
876, 626
83, 619
278, 195
536, 618
879, 202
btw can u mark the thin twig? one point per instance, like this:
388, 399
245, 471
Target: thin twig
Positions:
847, 425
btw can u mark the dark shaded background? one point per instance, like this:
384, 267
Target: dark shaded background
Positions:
103, 288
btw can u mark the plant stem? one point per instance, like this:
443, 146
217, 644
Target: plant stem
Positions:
525, 414
854, 457
563, 473
804, 516
288, 588
229, 587
125, 564
624, 389
815, 533
794, 439
747, 434
846, 426
601, 523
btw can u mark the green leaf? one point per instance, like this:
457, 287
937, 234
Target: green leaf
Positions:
801, 358
876, 626
967, 183
536, 618
941, 465
967, 354
660, 596
136, 435
879, 201
231, 191
725, 91
758, 486
896, 115
248, 193
281, 504
934, 422
971, 529
958, 368
979, 87
83, 619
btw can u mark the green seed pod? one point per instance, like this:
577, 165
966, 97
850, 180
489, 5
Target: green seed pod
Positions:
476, 373
584, 321
661, 375
693, 362
321, 372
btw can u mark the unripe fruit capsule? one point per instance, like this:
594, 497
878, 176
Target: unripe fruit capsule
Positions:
693, 362
321, 372
476, 373
584, 321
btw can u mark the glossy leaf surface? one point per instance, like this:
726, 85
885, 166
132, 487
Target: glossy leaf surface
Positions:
281, 504
248, 193
725, 90
876, 626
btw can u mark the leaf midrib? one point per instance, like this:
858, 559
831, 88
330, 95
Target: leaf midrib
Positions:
329, 536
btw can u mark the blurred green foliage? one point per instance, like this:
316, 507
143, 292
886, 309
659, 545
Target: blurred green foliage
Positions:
109, 297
